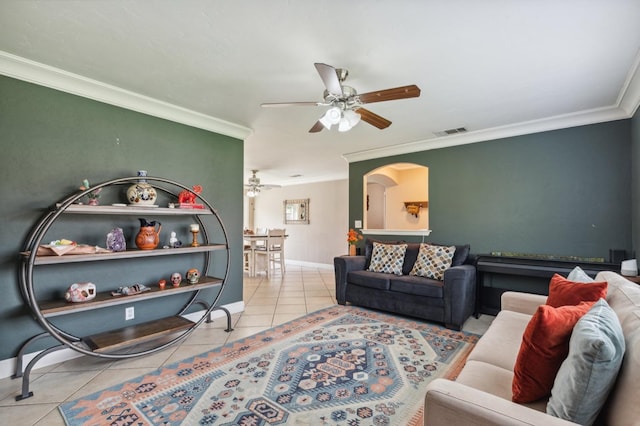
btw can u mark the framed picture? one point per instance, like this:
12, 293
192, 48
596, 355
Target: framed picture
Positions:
296, 211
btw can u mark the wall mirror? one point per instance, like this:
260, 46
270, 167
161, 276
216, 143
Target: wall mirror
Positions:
296, 211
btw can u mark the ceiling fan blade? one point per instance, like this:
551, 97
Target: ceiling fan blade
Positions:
403, 92
373, 119
285, 104
316, 127
330, 78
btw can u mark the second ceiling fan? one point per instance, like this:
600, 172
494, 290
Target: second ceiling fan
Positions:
346, 104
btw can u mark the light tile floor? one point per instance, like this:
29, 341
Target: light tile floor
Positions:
268, 302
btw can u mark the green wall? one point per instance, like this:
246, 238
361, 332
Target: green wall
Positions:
564, 192
52, 140
635, 179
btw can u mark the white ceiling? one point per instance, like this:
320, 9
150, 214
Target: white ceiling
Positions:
496, 67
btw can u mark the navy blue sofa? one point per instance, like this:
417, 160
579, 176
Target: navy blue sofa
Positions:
450, 301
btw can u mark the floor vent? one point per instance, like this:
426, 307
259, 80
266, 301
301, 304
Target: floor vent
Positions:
449, 132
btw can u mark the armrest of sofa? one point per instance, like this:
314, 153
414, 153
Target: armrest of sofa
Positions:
449, 403
342, 266
525, 303
459, 294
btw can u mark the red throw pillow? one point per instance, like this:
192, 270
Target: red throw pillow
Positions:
545, 344
564, 292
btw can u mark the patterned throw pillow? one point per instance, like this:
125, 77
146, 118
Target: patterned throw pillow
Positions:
432, 261
387, 258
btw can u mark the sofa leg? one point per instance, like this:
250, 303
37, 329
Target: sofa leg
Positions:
453, 327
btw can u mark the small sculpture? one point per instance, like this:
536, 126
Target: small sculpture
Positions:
131, 290
94, 195
162, 284
187, 199
80, 292
176, 279
193, 275
174, 242
116, 240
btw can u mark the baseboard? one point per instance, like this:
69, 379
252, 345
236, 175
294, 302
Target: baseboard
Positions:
309, 264
8, 366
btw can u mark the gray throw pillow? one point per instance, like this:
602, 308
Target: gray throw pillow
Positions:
579, 276
586, 377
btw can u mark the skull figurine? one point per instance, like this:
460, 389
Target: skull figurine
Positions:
176, 279
193, 275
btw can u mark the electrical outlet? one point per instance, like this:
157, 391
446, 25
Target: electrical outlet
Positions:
129, 313
358, 224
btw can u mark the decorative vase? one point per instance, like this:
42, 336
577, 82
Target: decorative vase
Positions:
141, 193
352, 249
148, 237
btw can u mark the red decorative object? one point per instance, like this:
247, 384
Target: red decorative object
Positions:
187, 199
564, 292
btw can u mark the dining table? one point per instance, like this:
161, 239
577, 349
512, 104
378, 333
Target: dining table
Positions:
253, 241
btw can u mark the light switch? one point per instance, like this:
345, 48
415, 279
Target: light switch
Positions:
358, 224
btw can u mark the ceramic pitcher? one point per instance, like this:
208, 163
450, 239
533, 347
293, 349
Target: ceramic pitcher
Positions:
148, 237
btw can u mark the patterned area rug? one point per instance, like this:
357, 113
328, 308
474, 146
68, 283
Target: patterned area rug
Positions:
342, 365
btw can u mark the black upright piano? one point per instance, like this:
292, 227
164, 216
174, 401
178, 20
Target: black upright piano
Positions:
540, 266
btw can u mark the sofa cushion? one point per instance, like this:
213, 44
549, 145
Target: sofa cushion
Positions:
368, 249
500, 344
587, 375
492, 379
387, 258
565, 292
459, 256
432, 261
418, 286
624, 298
545, 344
374, 280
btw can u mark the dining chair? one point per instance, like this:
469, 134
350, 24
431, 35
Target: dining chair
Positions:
272, 253
247, 259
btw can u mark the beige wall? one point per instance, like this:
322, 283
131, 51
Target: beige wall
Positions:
317, 243
412, 185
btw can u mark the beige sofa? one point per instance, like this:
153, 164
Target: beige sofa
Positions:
481, 395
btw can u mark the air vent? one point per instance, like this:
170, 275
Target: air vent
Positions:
449, 132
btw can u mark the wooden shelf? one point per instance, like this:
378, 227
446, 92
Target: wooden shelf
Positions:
134, 210
128, 254
136, 334
104, 299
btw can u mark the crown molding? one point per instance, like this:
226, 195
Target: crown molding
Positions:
536, 126
55, 78
629, 98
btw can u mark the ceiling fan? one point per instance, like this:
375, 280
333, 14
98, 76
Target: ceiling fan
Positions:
346, 104
254, 186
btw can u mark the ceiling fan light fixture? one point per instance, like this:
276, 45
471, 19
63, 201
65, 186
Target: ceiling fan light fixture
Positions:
344, 125
332, 116
352, 116
349, 119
